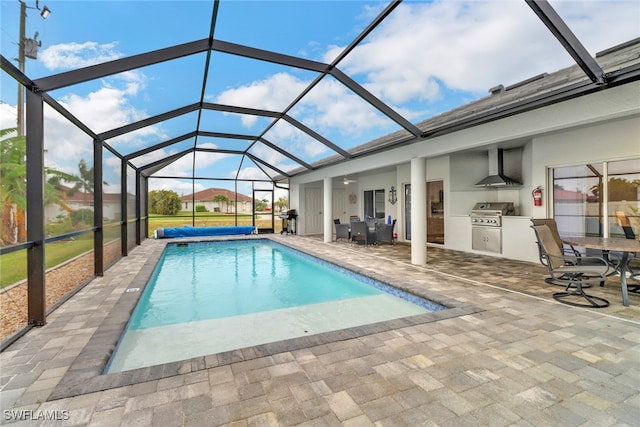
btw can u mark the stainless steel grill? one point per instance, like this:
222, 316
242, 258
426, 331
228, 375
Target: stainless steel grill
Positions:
489, 214
486, 225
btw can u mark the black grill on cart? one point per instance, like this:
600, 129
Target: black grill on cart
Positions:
289, 221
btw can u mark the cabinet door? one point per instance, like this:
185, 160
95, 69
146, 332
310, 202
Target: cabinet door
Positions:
487, 239
477, 239
494, 240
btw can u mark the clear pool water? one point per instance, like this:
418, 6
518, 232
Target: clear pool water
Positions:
208, 297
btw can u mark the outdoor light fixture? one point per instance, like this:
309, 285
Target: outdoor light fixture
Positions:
393, 197
45, 12
27, 48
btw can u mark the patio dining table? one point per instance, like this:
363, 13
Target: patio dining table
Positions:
611, 244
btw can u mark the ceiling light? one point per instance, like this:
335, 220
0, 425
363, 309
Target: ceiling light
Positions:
347, 181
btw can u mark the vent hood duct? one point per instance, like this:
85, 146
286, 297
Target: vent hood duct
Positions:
496, 176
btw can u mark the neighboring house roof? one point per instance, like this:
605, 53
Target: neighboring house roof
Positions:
564, 195
208, 195
82, 197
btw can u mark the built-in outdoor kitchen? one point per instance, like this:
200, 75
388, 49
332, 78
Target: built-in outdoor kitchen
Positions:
486, 225
490, 207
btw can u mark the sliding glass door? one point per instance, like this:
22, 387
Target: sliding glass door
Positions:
597, 199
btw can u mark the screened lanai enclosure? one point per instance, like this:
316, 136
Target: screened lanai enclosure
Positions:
114, 100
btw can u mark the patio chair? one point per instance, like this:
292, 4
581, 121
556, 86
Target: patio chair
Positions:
575, 272
553, 227
624, 222
566, 249
372, 223
359, 232
342, 230
634, 263
384, 232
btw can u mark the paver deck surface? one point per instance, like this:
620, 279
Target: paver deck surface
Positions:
506, 354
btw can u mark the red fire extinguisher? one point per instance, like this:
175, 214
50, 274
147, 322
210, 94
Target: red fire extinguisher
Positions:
537, 196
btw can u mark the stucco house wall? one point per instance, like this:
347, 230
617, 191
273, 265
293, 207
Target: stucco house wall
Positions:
593, 128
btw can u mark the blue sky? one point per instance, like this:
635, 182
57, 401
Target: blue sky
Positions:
426, 58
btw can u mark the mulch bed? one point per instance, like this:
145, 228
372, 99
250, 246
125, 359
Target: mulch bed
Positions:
59, 281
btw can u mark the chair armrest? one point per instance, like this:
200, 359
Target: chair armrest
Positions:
570, 250
590, 261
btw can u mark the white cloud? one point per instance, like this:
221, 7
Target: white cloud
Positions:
107, 108
462, 45
272, 157
422, 52
110, 106
472, 46
65, 145
418, 53
601, 25
8, 116
329, 107
273, 93
250, 173
77, 55
180, 167
294, 140
332, 105
182, 187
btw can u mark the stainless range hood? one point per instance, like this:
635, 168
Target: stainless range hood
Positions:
496, 177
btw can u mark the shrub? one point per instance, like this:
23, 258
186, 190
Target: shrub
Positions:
81, 216
164, 202
201, 208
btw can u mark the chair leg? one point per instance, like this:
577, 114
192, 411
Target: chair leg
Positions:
577, 291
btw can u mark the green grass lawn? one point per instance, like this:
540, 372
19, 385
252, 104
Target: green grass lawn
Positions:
13, 266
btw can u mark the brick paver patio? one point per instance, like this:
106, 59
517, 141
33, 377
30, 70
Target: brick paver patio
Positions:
505, 354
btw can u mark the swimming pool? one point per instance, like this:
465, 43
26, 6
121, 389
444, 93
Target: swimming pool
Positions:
209, 297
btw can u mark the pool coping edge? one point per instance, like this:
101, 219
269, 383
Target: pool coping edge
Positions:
86, 372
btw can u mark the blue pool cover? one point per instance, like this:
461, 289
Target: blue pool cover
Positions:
187, 231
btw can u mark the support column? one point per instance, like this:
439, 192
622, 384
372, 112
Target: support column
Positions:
418, 211
139, 208
145, 209
123, 208
98, 210
604, 207
36, 294
328, 210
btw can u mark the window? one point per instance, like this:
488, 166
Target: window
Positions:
623, 192
374, 204
584, 195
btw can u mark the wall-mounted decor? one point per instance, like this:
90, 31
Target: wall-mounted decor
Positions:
393, 196
352, 198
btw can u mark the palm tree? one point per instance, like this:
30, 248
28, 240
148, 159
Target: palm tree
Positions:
281, 203
13, 175
85, 179
84, 182
13, 183
55, 190
220, 199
